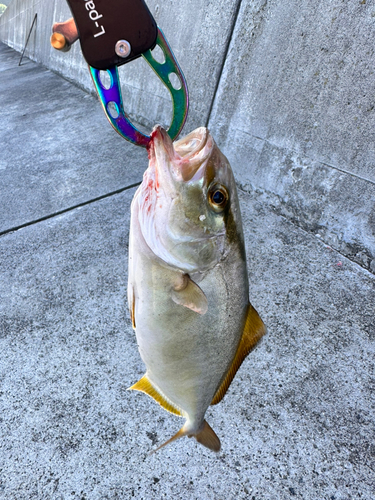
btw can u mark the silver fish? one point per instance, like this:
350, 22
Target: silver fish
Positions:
188, 289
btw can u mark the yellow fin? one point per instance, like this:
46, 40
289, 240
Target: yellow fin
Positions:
131, 304
144, 385
254, 330
190, 295
178, 434
205, 436
208, 438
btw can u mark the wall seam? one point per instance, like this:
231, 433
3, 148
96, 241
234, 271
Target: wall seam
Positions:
231, 32
69, 209
321, 162
250, 189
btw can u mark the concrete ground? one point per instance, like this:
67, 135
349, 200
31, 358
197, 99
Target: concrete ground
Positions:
298, 420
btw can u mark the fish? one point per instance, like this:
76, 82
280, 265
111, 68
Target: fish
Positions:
188, 290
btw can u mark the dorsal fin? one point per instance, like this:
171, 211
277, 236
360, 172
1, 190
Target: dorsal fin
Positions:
132, 312
144, 385
254, 330
131, 304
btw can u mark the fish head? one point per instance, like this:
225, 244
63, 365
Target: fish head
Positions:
188, 206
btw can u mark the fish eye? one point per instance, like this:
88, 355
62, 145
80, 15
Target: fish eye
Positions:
218, 197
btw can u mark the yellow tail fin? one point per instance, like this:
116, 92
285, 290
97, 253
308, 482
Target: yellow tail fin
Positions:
208, 438
205, 436
179, 434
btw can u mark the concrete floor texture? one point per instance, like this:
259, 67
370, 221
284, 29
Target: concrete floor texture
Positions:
298, 420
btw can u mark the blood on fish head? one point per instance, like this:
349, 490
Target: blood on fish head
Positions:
189, 213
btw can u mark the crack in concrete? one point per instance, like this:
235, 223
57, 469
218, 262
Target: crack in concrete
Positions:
69, 209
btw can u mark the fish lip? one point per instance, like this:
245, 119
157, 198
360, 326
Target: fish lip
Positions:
171, 158
202, 133
160, 139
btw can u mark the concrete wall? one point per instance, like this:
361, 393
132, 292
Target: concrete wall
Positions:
292, 102
295, 112
200, 47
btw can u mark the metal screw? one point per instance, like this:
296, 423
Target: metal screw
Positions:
123, 48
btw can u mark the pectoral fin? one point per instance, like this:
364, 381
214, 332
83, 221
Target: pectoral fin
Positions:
254, 330
190, 295
144, 385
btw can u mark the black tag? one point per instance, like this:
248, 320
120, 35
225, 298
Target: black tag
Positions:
103, 23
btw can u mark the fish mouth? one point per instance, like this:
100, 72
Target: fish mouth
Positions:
186, 158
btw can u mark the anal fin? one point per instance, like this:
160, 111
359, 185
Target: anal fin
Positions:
144, 385
254, 330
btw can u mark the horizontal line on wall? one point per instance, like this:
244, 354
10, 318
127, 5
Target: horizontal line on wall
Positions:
308, 157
